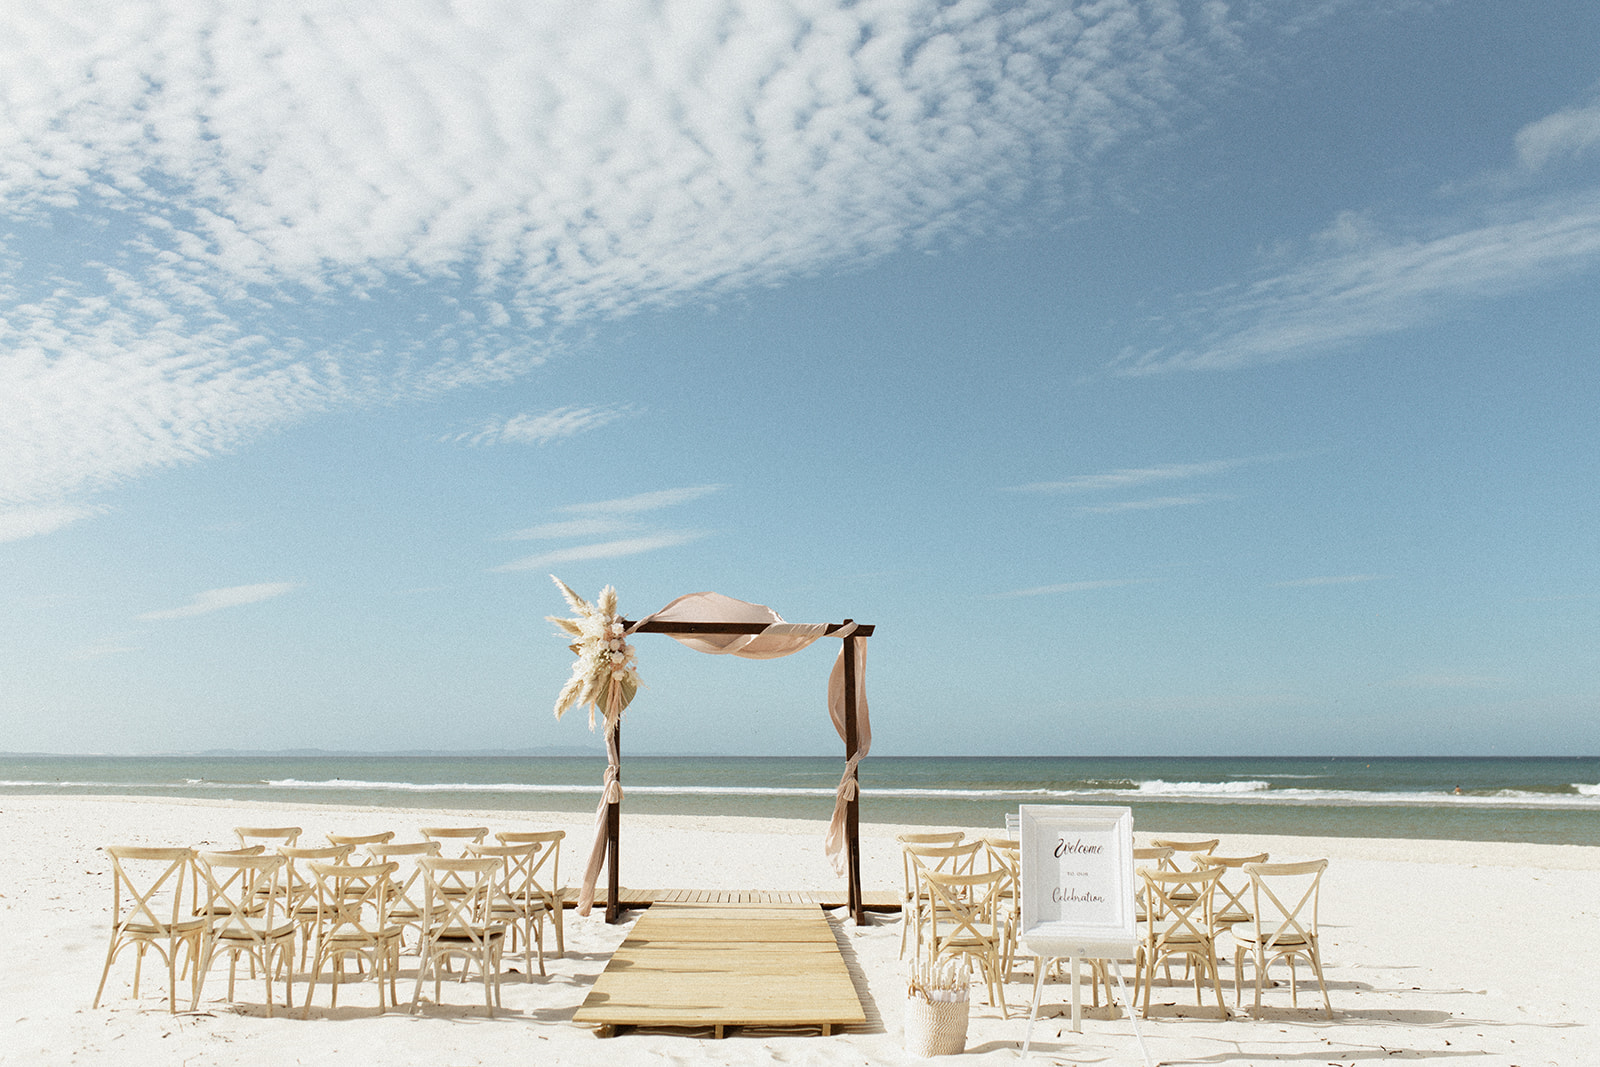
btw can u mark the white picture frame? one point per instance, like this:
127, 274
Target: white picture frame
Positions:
1077, 881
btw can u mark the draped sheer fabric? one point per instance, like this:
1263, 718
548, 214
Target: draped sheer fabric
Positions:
777, 639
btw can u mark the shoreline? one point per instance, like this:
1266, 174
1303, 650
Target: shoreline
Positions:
1419, 946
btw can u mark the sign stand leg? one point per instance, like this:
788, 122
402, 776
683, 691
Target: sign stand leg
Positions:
1033, 1013
1133, 1014
1077, 1000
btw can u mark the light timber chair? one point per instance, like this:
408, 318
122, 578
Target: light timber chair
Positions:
546, 874
244, 917
1005, 855
267, 836
963, 921
910, 894
1180, 904
1279, 929
457, 837
352, 902
147, 889
356, 841
458, 895
517, 901
1232, 905
405, 882
300, 902
1185, 854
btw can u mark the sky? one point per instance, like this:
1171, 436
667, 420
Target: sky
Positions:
1157, 377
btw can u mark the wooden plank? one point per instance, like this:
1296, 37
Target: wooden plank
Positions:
723, 965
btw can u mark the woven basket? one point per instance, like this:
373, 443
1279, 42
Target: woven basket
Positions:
937, 1027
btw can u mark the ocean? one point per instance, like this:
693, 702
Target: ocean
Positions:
1550, 800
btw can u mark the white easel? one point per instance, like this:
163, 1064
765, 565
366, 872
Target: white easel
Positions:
1077, 897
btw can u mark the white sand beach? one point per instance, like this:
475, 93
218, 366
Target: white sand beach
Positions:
1436, 952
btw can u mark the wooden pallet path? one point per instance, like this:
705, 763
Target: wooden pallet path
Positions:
722, 965
643, 898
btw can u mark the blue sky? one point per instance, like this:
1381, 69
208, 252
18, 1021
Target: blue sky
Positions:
1157, 377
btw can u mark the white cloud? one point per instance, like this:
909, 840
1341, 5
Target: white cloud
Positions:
1369, 285
631, 546
217, 599
1134, 476
651, 501
1331, 579
17, 523
221, 215
1074, 587
1572, 132
1154, 503
541, 429
551, 531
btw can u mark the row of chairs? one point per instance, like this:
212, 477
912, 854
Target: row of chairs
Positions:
1189, 896
353, 899
961, 898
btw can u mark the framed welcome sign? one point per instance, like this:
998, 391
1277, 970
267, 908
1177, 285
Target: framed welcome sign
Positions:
1077, 881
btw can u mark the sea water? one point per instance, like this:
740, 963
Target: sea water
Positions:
1551, 800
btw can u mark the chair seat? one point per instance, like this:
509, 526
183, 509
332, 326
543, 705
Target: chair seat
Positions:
1173, 934
181, 927
1284, 940
351, 932
250, 928
463, 933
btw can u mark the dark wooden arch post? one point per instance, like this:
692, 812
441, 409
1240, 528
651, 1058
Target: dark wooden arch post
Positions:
852, 808
613, 837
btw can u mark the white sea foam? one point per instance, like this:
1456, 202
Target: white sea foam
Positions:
1586, 790
1156, 785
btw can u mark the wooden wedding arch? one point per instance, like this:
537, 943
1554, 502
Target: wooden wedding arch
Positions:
849, 788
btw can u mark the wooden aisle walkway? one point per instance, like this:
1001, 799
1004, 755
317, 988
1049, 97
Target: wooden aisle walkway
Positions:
643, 898
722, 965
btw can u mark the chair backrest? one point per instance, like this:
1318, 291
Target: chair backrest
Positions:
295, 878
405, 896
966, 905
359, 840
238, 887
1182, 900
147, 886
353, 897
267, 836
1187, 850
463, 835
1233, 886
458, 894
517, 885
546, 872
1013, 823
1286, 897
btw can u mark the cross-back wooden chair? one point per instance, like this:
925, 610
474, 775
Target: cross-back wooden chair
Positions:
147, 911
1180, 904
300, 902
454, 837
457, 921
518, 902
267, 836
939, 852
352, 902
1232, 905
405, 882
1280, 929
546, 874
360, 841
963, 921
1185, 854
1004, 854
244, 917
